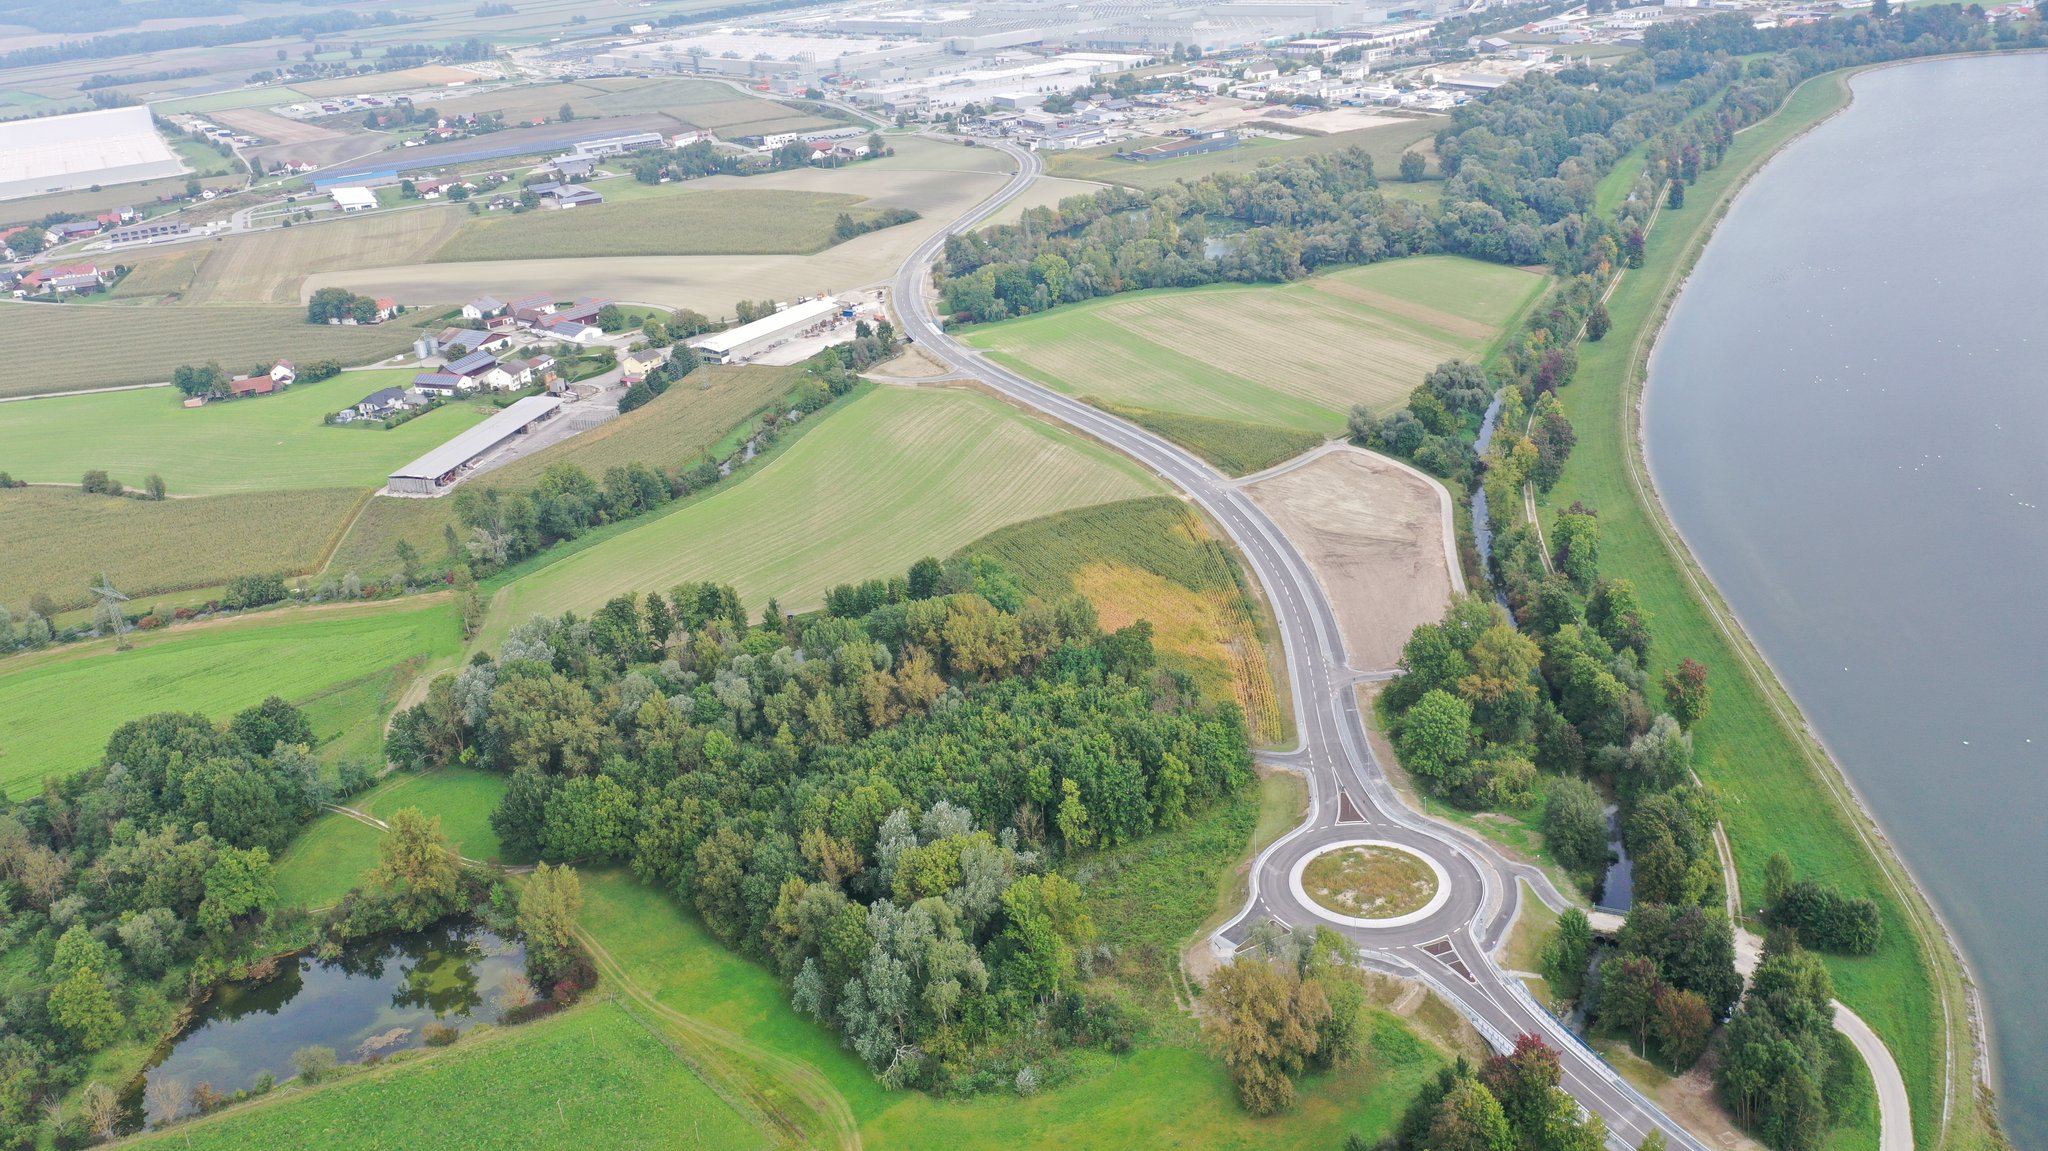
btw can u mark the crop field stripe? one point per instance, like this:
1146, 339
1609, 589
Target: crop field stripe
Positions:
131, 345
895, 475
671, 222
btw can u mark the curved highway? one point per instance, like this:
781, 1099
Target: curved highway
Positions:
1449, 948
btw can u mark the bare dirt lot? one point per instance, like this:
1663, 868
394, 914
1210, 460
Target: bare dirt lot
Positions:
1374, 533
271, 126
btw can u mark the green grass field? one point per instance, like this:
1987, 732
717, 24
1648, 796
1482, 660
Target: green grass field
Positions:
259, 444
463, 797
672, 222
1385, 142
58, 707
1297, 355
594, 1078
107, 345
333, 852
884, 478
58, 540
1775, 786
324, 860
674, 430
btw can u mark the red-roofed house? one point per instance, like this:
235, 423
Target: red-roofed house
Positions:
386, 308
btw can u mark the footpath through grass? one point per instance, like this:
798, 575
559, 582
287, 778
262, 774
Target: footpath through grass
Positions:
58, 707
1778, 790
596, 1077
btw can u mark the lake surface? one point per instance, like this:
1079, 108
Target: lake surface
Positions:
375, 999
1846, 419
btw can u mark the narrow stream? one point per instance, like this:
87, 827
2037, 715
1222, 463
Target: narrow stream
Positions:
1482, 522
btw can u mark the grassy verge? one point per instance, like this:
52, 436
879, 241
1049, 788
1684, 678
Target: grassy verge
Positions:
1234, 446
1779, 789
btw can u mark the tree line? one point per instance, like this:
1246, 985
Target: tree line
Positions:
874, 804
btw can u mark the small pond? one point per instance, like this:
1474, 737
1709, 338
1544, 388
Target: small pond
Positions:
376, 998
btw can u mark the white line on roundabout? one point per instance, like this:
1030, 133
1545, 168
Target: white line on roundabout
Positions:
1443, 886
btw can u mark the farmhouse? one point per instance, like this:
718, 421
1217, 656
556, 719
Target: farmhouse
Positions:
473, 365
574, 167
443, 383
72, 230
462, 341
766, 332
353, 199
482, 308
574, 331
634, 366
284, 372
385, 401
434, 472
529, 309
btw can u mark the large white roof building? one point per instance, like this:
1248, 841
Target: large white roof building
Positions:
59, 153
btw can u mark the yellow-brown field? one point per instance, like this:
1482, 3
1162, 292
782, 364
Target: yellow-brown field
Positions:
57, 540
1202, 632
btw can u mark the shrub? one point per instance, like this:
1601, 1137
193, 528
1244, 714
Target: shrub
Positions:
439, 1034
315, 1063
1827, 920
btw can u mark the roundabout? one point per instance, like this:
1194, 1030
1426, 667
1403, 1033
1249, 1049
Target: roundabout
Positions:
1370, 883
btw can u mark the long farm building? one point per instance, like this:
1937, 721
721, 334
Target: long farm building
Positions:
434, 473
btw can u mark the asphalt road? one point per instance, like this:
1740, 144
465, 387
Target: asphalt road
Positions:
1450, 947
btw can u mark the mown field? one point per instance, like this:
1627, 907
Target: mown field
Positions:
1777, 791
106, 345
1153, 559
677, 222
57, 707
58, 540
331, 854
677, 428
595, 1077
267, 267
882, 479
260, 444
1385, 142
1296, 355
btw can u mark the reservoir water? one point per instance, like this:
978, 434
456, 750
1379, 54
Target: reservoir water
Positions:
1846, 417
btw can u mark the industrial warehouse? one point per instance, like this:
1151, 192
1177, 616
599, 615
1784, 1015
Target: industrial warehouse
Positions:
750, 339
436, 472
